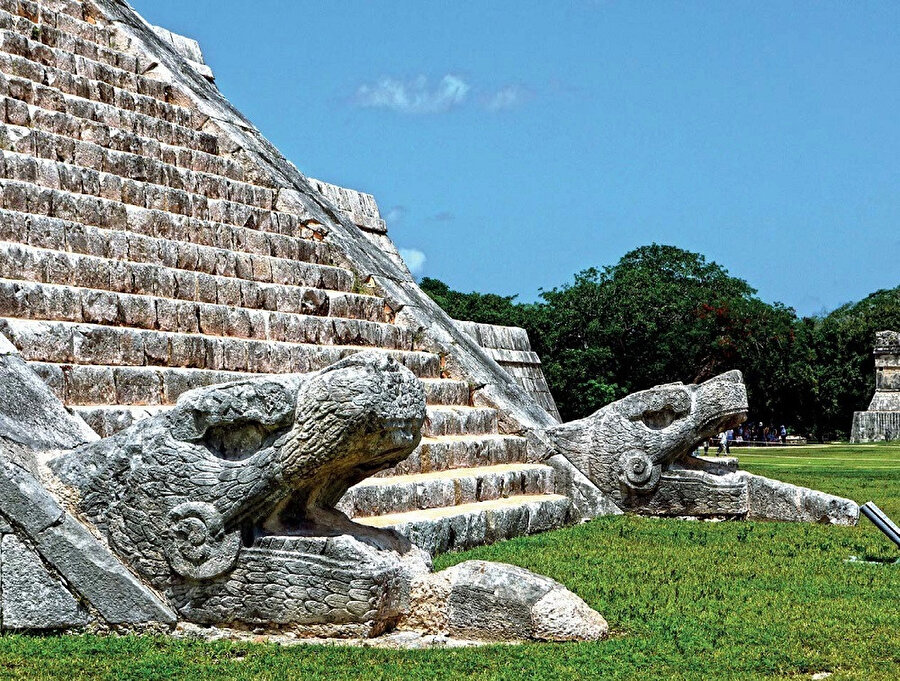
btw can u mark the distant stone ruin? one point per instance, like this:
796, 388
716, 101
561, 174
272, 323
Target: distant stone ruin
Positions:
224, 400
881, 422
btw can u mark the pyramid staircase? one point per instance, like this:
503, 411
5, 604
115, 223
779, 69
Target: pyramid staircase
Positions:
142, 256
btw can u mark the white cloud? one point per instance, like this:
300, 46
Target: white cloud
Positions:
413, 96
414, 259
394, 215
507, 97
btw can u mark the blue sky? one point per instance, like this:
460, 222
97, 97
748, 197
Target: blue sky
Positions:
516, 143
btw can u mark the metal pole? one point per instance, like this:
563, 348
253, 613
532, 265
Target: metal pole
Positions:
887, 521
874, 514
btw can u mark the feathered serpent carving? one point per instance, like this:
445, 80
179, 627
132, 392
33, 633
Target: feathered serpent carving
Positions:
177, 493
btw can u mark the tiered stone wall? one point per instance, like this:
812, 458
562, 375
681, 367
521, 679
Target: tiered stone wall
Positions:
510, 348
882, 420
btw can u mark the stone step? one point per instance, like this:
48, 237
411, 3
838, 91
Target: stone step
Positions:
461, 451
68, 343
446, 391
86, 385
42, 108
68, 17
458, 420
61, 235
44, 31
44, 266
49, 302
49, 53
456, 528
106, 420
150, 97
88, 169
121, 154
287, 239
402, 493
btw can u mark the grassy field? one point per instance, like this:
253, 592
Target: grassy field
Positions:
684, 600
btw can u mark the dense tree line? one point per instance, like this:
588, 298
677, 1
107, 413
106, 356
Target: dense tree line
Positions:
664, 314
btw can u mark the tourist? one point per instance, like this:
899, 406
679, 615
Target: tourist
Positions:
723, 444
783, 433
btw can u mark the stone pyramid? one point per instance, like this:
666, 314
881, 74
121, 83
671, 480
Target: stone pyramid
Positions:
153, 241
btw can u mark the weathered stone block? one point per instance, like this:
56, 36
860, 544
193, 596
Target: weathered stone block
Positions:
32, 597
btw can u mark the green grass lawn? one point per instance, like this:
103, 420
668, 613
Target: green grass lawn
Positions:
683, 599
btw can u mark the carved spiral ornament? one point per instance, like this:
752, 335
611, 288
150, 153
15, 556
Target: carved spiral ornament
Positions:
639, 472
199, 548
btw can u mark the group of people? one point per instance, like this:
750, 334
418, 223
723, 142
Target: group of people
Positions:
746, 435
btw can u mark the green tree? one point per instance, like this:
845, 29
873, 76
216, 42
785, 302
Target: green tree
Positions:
663, 314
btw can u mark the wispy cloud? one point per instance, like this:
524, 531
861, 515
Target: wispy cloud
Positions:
394, 215
414, 259
507, 97
443, 216
414, 96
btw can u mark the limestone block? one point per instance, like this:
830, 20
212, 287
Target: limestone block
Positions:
775, 500
495, 601
460, 421
33, 598
447, 453
24, 501
99, 307
138, 385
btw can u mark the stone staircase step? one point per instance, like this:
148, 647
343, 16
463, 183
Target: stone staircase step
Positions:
402, 493
456, 528
69, 343
70, 19
45, 266
105, 385
85, 385
461, 451
445, 391
44, 109
457, 420
111, 149
87, 66
47, 109
88, 169
40, 231
50, 302
144, 95
286, 239
44, 31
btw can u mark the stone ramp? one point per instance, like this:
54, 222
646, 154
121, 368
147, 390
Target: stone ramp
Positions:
145, 250
55, 573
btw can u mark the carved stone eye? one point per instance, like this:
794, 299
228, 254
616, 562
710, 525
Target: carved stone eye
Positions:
638, 471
